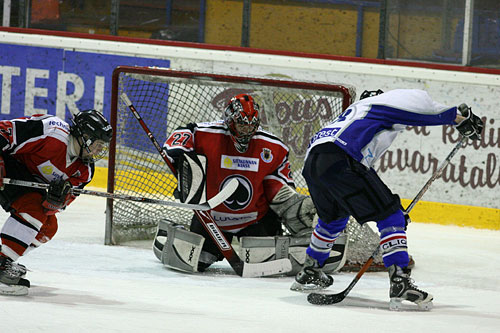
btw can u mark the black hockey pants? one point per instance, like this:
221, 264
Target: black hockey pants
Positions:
341, 186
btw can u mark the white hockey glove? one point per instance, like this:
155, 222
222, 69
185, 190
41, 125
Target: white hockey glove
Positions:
472, 126
296, 210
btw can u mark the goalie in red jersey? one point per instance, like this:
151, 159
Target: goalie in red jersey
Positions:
207, 156
42, 148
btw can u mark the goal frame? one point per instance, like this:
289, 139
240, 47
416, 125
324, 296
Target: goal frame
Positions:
347, 99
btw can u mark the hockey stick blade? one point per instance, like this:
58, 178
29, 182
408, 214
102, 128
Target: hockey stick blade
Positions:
327, 299
224, 194
219, 198
279, 266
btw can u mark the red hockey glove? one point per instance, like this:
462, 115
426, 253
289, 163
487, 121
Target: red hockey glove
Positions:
2, 172
58, 195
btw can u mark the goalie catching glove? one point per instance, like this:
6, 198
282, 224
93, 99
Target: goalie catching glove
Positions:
472, 126
296, 210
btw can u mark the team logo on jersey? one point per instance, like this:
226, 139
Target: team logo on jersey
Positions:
47, 169
243, 194
266, 155
239, 163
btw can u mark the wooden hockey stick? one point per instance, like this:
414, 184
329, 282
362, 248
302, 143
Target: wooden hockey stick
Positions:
241, 268
210, 204
326, 299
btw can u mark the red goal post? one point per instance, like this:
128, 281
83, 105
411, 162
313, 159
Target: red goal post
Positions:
292, 109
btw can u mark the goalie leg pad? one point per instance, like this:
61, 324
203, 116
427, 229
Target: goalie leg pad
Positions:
263, 249
178, 248
297, 253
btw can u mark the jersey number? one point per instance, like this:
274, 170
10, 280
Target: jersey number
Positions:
180, 139
344, 115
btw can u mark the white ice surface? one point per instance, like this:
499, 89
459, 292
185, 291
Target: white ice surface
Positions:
81, 285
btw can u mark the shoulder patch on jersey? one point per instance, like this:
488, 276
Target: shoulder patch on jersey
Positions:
266, 155
239, 163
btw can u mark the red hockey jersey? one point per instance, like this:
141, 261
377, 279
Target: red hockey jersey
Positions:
261, 171
41, 144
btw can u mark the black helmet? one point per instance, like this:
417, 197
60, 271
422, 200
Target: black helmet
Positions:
90, 126
370, 93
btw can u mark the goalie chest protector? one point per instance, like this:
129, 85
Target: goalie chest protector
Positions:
261, 171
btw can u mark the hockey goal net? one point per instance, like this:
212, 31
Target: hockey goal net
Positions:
167, 99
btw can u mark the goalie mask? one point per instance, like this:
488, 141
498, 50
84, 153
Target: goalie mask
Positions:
93, 133
242, 120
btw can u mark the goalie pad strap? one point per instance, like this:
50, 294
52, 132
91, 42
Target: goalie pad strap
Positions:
191, 178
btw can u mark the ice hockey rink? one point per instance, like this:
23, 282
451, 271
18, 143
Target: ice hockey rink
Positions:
81, 285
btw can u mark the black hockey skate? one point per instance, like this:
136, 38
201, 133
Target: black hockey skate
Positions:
311, 277
403, 289
11, 278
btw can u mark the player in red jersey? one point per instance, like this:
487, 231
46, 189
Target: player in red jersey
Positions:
207, 156
42, 148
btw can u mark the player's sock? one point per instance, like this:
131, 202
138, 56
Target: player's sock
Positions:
323, 237
393, 240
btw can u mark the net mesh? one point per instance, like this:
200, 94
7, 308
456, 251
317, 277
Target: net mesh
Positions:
167, 102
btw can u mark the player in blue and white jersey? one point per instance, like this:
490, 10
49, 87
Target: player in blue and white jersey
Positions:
339, 173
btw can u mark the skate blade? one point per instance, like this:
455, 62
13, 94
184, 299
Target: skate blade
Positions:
13, 290
305, 288
396, 305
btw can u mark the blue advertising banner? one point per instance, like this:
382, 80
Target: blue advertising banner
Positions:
42, 80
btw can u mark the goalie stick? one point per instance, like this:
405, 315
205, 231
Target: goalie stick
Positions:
326, 299
240, 267
210, 204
